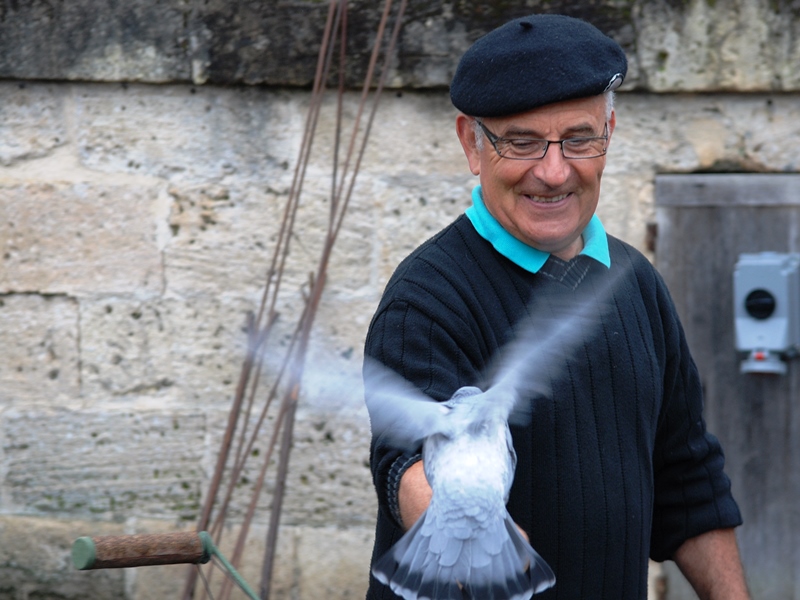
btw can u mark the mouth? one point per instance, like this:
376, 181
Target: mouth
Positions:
546, 199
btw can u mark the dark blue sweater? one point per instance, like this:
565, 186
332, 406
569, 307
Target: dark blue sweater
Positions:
616, 465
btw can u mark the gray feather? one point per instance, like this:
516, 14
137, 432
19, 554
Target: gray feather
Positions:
399, 413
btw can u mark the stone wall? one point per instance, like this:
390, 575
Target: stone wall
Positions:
139, 208
696, 45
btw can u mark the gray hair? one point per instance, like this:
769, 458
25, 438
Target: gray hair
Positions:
479, 137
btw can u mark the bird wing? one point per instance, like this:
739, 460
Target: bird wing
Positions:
399, 413
537, 355
543, 343
522, 370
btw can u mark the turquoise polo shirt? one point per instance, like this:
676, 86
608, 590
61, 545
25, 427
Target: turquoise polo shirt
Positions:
595, 241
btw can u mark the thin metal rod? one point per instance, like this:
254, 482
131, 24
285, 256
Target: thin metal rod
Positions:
293, 366
222, 459
378, 92
232, 572
315, 296
278, 496
287, 226
259, 485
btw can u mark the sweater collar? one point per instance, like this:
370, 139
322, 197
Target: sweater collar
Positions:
595, 241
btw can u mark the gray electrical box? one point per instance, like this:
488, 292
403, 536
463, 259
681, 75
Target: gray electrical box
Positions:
766, 290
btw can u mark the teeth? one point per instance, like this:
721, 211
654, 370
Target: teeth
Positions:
546, 199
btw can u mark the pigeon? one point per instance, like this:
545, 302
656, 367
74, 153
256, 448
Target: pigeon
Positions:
466, 544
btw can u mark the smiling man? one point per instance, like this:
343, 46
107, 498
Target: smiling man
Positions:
543, 198
615, 465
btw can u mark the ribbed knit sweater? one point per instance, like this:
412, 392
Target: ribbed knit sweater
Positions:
616, 464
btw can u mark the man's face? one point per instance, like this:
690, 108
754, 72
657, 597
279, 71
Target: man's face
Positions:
544, 203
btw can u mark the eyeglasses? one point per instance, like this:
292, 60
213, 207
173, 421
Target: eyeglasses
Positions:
536, 149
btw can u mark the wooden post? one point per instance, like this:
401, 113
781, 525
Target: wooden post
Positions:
704, 223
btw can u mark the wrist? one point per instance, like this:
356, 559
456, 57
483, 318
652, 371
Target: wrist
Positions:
401, 464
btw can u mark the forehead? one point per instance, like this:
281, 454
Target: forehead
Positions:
573, 115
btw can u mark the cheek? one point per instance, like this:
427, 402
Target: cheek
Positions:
598, 171
590, 176
507, 173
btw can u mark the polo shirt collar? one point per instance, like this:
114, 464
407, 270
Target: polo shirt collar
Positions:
595, 240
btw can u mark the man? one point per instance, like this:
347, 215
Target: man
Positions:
616, 464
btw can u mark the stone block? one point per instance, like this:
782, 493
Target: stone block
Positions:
222, 239
193, 135
622, 210
328, 482
754, 133
180, 349
126, 349
413, 180
109, 464
159, 582
35, 561
31, 122
310, 562
39, 349
724, 46
78, 239
332, 376
767, 126
420, 128
333, 563
94, 41
345, 272
411, 209
329, 479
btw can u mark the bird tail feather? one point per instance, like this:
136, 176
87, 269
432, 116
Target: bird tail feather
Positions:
414, 568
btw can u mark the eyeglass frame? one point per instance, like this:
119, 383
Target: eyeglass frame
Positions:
493, 139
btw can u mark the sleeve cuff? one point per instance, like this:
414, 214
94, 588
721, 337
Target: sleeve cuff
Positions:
399, 467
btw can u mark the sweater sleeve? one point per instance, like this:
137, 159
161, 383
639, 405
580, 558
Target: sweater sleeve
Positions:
692, 492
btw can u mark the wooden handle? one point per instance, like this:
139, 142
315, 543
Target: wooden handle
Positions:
118, 551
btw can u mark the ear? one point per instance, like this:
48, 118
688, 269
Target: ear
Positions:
612, 123
465, 130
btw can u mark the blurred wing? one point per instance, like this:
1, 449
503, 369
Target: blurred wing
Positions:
527, 366
541, 347
398, 412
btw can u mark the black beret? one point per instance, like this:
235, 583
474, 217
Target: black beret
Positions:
533, 61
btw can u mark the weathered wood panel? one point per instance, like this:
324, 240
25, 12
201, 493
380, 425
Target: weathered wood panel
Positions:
704, 223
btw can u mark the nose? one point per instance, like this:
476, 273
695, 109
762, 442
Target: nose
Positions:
553, 169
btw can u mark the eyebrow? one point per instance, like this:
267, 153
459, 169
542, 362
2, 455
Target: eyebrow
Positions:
584, 130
